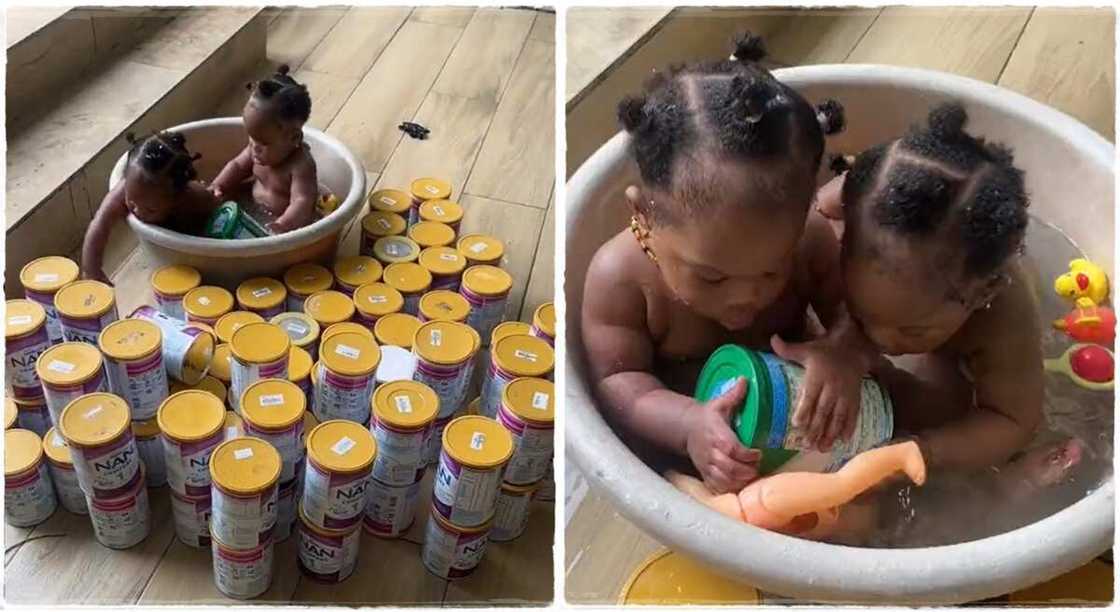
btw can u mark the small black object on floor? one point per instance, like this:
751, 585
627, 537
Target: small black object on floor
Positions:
414, 130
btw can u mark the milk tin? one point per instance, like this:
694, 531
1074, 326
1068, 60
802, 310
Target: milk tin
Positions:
41, 280
397, 329
244, 472
192, 423
272, 410
444, 351
25, 338
377, 225
446, 265
242, 573
346, 381
170, 285
263, 295
514, 357
33, 416
188, 348
232, 321
260, 351
97, 428
475, 450
412, 280
301, 329
329, 307
390, 510
403, 412
326, 555
192, 519
423, 190
544, 323
122, 522
29, 498
134, 363
443, 305
486, 288
375, 300
353, 272
511, 514
206, 304
304, 280
61, 468
451, 551
339, 457
84, 309
527, 412
69, 371
481, 249
429, 234
395, 249
150, 445
442, 211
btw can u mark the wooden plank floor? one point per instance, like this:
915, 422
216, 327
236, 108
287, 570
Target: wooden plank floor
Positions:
1061, 57
471, 76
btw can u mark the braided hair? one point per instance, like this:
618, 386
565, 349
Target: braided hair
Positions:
282, 95
939, 179
730, 109
164, 154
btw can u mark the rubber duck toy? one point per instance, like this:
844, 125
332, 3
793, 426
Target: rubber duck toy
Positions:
1095, 324
1089, 366
806, 504
1084, 281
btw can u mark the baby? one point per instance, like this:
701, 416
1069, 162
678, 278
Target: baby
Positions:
720, 249
934, 223
159, 187
284, 179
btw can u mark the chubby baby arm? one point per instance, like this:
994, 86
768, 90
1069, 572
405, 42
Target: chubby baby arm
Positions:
111, 210
235, 172
304, 193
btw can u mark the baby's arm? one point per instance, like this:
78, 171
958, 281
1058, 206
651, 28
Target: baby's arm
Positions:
304, 193
111, 211
233, 174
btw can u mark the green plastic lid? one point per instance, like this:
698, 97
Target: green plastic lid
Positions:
223, 221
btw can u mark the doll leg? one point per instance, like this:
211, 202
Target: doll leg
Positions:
726, 504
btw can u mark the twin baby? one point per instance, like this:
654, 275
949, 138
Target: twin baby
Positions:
276, 170
911, 252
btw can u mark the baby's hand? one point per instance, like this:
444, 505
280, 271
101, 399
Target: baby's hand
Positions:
829, 400
724, 463
217, 191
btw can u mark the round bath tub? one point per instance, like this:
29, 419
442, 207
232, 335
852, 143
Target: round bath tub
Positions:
1069, 176
228, 262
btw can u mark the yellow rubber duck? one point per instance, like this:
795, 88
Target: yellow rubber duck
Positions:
1085, 284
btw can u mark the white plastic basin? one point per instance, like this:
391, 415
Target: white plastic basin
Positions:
1069, 170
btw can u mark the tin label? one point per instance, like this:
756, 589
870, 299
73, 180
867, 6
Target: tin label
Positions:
151, 455
29, 500
242, 575
121, 525
329, 558
390, 509
192, 520
451, 555
511, 516
333, 501
141, 383
243, 522
188, 464
400, 454
106, 471
70, 494
465, 496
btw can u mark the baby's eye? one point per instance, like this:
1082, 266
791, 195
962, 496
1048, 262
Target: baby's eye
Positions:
713, 279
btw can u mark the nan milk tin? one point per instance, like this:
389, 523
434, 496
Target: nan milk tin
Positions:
397, 329
528, 411
443, 305
486, 288
544, 322
349, 361
396, 249
353, 272
32, 416
258, 351
220, 369
444, 351
192, 519
442, 211
299, 372
287, 498
232, 321
451, 551
446, 266
347, 327
192, 423
304, 280
390, 200
244, 472
61, 467
481, 249
233, 426
41, 279
329, 307
69, 371
209, 384
102, 447
272, 410
764, 420
133, 350
84, 309
501, 330
188, 348
375, 300
206, 304
403, 413
242, 573
514, 357
25, 338
390, 510
150, 445
340, 455
423, 190
170, 284
430, 234
326, 555
29, 498
377, 225
263, 295
122, 522
475, 450
11, 414
411, 280
511, 514
302, 329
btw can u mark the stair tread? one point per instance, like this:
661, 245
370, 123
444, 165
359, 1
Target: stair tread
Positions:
24, 21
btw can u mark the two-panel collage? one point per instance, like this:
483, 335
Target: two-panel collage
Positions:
559, 306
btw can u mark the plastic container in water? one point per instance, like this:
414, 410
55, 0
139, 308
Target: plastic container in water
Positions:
192, 424
430, 234
134, 362
397, 329
25, 338
377, 225
403, 412
98, 430
442, 211
170, 284
346, 382
232, 321
206, 304
355, 271
61, 467
84, 309
263, 295
412, 280
188, 348
302, 329
244, 472
475, 451
480, 249
764, 421
423, 190
375, 300
29, 497
41, 280
329, 307
260, 351
340, 455
514, 357
446, 265
69, 371
528, 411
304, 280
150, 445
486, 288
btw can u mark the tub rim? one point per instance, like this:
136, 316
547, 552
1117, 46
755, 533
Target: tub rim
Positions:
254, 247
817, 571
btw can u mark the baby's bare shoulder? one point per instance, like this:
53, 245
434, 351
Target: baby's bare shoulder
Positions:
618, 273
1010, 329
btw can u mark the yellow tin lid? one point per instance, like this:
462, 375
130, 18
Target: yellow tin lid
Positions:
273, 404
357, 270
48, 274
341, 446
441, 211
68, 363
544, 318
448, 526
531, 399
472, 408
443, 260
24, 317
219, 366
214, 386
444, 305
396, 249
307, 278
391, 200
513, 489
56, 448
261, 293
523, 355
191, 415
300, 327
84, 299
406, 404
667, 578
23, 450
350, 354
378, 300
207, 302
231, 321
346, 327
478, 442
444, 342
431, 234
408, 278
260, 343
94, 419
428, 188
509, 328
328, 307
397, 329
481, 248
245, 465
130, 339
145, 429
382, 223
487, 280
11, 413
175, 280
299, 364
200, 355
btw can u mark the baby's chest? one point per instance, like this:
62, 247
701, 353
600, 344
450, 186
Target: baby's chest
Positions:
271, 178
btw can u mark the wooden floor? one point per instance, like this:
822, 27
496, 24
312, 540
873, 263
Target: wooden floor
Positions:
1061, 57
483, 82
